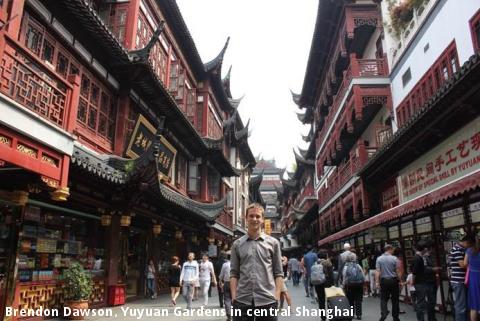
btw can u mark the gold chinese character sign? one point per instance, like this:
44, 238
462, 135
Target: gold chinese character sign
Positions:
142, 137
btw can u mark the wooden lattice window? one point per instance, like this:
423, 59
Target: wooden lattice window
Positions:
475, 30
158, 56
96, 108
44, 46
191, 102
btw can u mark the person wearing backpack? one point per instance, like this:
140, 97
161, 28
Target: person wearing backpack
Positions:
322, 277
352, 282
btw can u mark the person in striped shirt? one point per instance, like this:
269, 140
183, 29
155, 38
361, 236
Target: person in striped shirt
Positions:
457, 276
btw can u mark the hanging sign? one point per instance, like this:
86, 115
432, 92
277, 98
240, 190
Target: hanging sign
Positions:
454, 158
142, 137
166, 157
268, 227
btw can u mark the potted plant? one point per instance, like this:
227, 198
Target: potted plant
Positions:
401, 15
78, 288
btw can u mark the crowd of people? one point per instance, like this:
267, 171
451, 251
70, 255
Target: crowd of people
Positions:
251, 276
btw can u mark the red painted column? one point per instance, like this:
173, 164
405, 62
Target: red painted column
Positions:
131, 24
16, 14
71, 115
65, 169
204, 183
357, 102
121, 124
206, 98
113, 253
365, 201
354, 201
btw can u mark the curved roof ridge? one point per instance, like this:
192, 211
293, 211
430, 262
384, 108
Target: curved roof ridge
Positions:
216, 63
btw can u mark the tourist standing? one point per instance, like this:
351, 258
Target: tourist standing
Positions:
294, 270
372, 260
472, 260
424, 280
218, 267
206, 275
327, 268
188, 278
174, 279
150, 273
309, 260
457, 276
256, 276
224, 282
342, 258
387, 279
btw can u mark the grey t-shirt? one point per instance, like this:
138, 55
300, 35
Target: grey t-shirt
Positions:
294, 265
387, 264
256, 264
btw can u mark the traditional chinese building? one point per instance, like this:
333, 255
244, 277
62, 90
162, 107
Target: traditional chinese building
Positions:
117, 145
346, 97
424, 182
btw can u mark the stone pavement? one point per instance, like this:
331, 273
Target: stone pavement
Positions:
146, 309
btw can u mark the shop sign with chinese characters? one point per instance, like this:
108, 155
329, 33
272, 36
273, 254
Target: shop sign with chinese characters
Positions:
268, 226
166, 157
456, 157
142, 137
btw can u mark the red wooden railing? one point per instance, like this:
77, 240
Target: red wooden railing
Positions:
345, 172
30, 82
307, 191
358, 68
226, 219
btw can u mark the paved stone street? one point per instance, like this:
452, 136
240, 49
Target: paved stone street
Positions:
131, 311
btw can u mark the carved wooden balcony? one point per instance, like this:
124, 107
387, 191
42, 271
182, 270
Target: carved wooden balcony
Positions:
31, 83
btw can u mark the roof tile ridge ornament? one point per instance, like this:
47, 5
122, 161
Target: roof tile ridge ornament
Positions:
213, 143
303, 152
301, 160
141, 55
226, 83
215, 64
296, 98
235, 102
230, 120
257, 180
243, 133
302, 117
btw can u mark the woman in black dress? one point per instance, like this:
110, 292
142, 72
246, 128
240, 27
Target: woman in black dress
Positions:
174, 279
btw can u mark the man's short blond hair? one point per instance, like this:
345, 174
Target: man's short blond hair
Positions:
255, 205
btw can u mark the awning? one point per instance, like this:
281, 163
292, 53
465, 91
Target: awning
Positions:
451, 190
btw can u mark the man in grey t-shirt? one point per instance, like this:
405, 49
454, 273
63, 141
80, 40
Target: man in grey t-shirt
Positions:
256, 274
388, 276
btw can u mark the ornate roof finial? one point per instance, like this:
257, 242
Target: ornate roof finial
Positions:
216, 63
141, 55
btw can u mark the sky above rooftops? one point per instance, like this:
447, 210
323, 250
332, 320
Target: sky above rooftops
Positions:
268, 51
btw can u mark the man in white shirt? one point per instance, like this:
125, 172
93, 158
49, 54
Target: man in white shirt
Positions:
205, 276
188, 278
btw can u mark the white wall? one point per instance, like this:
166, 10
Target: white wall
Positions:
449, 21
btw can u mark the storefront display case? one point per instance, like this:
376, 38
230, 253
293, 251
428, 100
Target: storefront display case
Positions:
48, 242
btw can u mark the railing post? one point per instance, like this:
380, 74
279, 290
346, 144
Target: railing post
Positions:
362, 153
71, 114
354, 66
